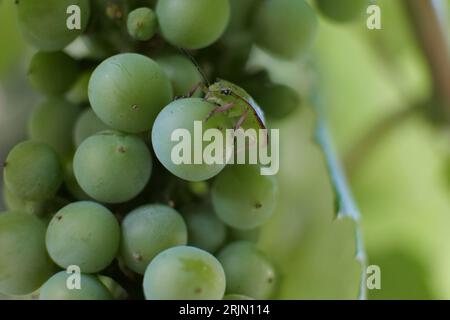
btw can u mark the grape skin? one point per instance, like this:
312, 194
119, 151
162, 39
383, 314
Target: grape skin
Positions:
248, 271
142, 24
32, 171
181, 114
52, 73
342, 10
43, 22
243, 198
87, 125
91, 288
184, 273
285, 28
149, 230
84, 234
24, 262
193, 24
112, 167
128, 90
52, 122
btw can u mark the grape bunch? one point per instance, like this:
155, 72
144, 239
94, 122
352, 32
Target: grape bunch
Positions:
95, 186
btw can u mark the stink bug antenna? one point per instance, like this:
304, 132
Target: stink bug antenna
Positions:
190, 57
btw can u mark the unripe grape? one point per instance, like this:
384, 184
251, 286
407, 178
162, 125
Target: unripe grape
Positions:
128, 90
236, 297
112, 167
44, 22
180, 115
52, 122
285, 28
91, 288
32, 171
193, 24
343, 10
278, 101
24, 263
142, 24
184, 273
182, 73
243, 198
84, 234
52, 73
206, 231
87, 125
149, 230
247, 270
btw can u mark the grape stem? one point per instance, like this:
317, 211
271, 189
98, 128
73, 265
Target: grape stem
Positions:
431, 38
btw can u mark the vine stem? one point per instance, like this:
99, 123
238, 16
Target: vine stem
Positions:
433, 44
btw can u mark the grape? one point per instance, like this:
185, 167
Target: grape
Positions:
278, 101
52, 122
142, 24
32, 171
236, 297
251, 235
44, 22
248, 271
112, 167
285, 28
182, 73
343, 10
87, 125
24, 263
71, 183
181, 114
128, 90
243, 198
91, 288
149, 230
241, 16
78, 94
206, 231
84, 234
52, 73
184, 273
115, 289
193, 24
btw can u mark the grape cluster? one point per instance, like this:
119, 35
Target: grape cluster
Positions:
95, 186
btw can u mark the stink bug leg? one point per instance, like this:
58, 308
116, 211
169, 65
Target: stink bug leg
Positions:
219, 109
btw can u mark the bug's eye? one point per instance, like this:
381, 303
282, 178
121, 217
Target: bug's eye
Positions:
225, 91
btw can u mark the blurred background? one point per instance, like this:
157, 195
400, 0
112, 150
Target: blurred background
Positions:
395, 147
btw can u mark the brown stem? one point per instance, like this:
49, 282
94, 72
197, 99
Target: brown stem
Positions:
434, 46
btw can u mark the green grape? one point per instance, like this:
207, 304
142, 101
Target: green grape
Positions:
149, 230
142, 24
91, 288
193, 24
115, 289
247, 270
52, 122
24, 263
87, 125
184, 273
128, 90
278, 101
285, 28
182, 73
236, 297
78, 94
112, 167
71, 182
84, 234
32, 171
181, 114
205, 230
343, 10
241, 16
243, 198
44, 22
251, 235
52, 73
